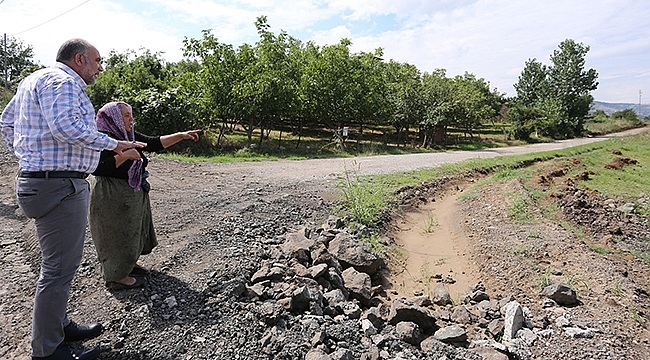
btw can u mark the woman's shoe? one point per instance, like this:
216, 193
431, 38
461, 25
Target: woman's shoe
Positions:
114, 285
139, 271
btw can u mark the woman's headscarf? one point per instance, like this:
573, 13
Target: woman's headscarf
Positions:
110, 121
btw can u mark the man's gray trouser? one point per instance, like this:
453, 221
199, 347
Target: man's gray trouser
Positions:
60, 210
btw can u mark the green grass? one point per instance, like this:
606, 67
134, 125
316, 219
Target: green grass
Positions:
599, 249
625, 183
614, 183
375, 245
315, 143
217, 158
642, 255
519, 210
638, 318
431, 224
546, 278
5, 97
600, 126
520, 250
617, 291
362, 201
534, 233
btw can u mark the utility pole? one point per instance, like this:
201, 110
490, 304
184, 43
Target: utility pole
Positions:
6, 62
639, 104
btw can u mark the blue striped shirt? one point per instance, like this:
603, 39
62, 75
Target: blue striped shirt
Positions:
50, 123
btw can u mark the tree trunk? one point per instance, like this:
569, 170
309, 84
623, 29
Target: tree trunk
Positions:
299, 133
249, 131
440, 134
221, 132
359, 137
261, 136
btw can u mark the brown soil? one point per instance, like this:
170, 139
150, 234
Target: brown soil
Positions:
205, 212
477, 237
434, 248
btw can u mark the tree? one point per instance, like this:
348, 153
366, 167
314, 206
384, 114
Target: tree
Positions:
404, 98
268, 85
472, 102
371, 90
328, 83
437, 96
16, 62
145, 81
524, 119
532, 83
126, 74
570, 83
627, 114
214, 72
560, 91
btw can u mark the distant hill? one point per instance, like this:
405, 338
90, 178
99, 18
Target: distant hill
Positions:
609, 108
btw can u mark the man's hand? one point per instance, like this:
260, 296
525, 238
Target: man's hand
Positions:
131, 154
125, 145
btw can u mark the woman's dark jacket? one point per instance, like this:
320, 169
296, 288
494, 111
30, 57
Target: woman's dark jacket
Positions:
107, 167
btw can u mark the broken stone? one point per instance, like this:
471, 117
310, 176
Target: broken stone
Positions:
405, 310
441, 295
408, 331
453, 334
513, 321
561, 293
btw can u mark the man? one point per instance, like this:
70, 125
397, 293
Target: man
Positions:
50, 126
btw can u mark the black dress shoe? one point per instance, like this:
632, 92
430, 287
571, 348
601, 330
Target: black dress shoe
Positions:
76, 332
63, 352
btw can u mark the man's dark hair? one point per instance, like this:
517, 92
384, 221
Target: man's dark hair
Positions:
70, 48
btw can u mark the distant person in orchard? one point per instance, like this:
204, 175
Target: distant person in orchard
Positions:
120, 210
50, 126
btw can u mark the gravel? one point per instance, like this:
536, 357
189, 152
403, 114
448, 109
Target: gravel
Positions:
217, 222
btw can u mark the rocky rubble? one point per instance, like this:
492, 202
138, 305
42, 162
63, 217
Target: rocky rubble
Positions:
325, 275
246, 269
605, 218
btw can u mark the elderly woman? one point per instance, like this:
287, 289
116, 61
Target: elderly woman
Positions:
120, 211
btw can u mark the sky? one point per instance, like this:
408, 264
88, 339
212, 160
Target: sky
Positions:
491, 39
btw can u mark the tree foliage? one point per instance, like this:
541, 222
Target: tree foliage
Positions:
532, 83
559, 93
280, 83
627, 114
147, 83
404, 101
16, 61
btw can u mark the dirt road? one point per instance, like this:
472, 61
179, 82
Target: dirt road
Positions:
215, 223
331, 169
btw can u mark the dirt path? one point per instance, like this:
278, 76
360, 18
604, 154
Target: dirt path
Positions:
333, 169
435, 248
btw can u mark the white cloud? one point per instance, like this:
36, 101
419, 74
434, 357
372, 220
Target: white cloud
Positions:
489, 38
106, 24
331, 36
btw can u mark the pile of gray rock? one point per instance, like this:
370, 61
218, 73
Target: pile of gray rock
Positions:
329, 279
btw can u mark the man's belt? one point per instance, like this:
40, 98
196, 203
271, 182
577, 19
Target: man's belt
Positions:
52, 174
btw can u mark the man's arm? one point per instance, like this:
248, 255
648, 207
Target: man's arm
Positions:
7, 123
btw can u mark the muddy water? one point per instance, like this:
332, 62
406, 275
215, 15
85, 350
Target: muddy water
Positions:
433, 246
